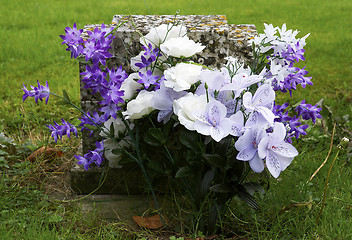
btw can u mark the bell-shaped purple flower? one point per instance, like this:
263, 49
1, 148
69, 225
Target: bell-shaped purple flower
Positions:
95, 156
148, 79
38, 93
307, 111
60, 130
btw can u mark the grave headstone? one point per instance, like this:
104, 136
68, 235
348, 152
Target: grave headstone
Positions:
221, 40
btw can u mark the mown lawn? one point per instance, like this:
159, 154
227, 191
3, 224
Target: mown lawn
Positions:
31, 50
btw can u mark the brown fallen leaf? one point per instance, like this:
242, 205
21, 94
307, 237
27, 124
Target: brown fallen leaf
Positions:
153, 222
44, 153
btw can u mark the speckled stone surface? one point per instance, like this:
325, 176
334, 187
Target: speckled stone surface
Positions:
220, 38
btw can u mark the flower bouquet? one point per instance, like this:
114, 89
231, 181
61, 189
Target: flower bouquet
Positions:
204, 134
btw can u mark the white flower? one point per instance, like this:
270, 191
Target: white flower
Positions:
118, 124
270, 31
278, 154
213, 79
181, 47
241, 82
136, 59
182, 76
113, 158
261, 102
139, 107
130, 86
162, 33
186, 107
109, 144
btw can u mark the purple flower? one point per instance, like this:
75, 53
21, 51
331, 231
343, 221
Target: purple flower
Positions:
94, 78
281, 116
109, 110
95, 156
294, 127
86, 161
54, 131
293, 54
292, 77
117, 76
148, 79
107, 31
149, 56
96, 47
96, 35
97, 51
113, 95
73, 40
72, 35
39, 92
60, 130
307, 111
88, 119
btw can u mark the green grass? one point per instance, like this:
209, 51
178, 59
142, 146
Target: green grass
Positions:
31, 51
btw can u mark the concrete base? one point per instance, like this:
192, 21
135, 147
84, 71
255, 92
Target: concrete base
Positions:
106, 181
116, 207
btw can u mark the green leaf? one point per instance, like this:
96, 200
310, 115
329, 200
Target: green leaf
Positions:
216, 160
214, 215
156, 166
252, 187
65, 95
3, 162
116, 151
154, 137
4, 153
189, 139
55, 218
204, 187
183, 172
222, 188
112, 130
91, 127
246, 197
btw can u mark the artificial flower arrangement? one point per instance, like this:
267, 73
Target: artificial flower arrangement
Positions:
192, 130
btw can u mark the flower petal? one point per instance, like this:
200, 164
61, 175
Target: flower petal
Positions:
202, 127
217, 133
264, 95
285, 150
266, 113
244, 141
262, 147
257, 164
273, 164
247, 154
285, 161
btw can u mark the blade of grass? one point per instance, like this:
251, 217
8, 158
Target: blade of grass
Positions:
327, 157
